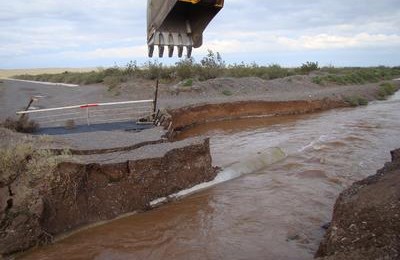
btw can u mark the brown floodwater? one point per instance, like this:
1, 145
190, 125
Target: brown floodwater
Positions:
280, 179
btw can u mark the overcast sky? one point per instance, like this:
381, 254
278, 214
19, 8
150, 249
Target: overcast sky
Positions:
54, 33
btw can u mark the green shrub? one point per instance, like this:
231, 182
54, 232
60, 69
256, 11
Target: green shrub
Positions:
362, 101
211, 66
355, 101
227, 92
317, 80
308, 67
330, 69
272, 71
132, 69
22, 124
188, 83
112, 82
275, 71
389, 88
185, 68
386, 89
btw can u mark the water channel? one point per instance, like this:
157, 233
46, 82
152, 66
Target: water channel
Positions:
280, 179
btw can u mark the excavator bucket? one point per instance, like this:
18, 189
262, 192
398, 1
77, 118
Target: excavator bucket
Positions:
179, 23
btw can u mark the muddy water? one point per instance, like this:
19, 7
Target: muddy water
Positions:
273, 210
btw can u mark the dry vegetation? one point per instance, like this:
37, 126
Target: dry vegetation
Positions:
22, 124
213, 66
24, 155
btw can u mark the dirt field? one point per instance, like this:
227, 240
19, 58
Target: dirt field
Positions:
7, 73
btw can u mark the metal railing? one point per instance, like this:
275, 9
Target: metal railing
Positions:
91, 113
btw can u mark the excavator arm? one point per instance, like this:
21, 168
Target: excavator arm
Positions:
178, 23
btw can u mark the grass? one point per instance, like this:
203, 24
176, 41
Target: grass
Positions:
386, 89
355, 101
188, 83
227, 92
357, 76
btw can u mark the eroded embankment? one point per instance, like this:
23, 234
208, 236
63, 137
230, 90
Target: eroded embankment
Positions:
182, 118
366, 218
85, 193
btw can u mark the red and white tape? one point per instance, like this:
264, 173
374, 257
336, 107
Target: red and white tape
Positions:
87, 106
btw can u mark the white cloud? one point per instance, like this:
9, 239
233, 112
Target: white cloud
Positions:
104, 31
326, 41
100, 53
253, 42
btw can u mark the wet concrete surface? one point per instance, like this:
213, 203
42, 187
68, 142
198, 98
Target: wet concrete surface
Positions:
122, 126
100, 140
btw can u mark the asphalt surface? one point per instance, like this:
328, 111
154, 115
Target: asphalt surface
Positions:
15, 95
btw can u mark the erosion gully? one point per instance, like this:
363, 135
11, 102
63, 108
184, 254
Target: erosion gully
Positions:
280, 178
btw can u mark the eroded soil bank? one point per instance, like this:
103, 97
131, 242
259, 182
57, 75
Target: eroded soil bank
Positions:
366, 218
266, 106
33, 212
192, 115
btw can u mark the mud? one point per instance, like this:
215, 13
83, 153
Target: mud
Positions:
87, 193
366, 218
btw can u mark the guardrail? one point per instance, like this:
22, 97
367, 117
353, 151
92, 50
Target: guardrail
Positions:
91, 113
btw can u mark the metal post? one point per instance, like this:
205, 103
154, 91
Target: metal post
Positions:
155, 98
87, 116
27, 107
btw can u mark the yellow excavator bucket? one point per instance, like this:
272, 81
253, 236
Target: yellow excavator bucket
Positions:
179, 23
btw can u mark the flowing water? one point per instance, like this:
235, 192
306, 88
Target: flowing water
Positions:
284, 177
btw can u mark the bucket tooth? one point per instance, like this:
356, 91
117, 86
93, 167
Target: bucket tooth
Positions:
189, 51
171, 44
180, 45
180, 51
151, 50
161, 45
170, 51
160, 51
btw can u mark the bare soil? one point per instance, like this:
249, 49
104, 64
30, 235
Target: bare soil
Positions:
366, 218
222, 90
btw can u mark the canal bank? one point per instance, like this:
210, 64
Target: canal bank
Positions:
272, 210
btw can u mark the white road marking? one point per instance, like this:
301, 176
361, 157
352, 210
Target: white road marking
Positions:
47, 83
